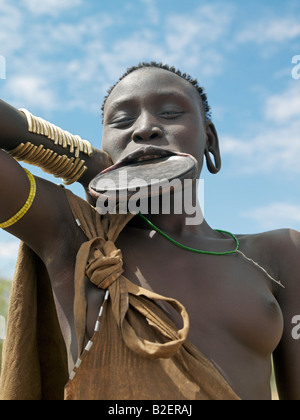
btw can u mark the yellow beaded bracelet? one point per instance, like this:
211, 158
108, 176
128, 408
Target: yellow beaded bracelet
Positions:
26, 206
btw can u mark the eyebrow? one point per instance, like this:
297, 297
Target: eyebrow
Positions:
125, 100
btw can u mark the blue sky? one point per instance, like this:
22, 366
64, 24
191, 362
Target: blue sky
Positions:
62, 55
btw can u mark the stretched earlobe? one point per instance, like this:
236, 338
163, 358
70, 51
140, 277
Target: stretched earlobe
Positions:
212, 148
213, 167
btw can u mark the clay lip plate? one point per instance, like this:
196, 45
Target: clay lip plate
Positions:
148, 164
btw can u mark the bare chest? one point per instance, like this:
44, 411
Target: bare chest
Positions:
225, 296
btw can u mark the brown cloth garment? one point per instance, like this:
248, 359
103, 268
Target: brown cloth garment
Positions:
136, 352
34, 359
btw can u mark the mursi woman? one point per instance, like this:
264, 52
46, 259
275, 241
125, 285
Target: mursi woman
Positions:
130, 306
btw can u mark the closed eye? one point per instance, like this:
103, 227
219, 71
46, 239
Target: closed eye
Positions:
122, 122
171, 114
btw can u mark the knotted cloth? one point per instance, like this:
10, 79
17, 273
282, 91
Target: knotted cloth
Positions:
102, 262
138, 352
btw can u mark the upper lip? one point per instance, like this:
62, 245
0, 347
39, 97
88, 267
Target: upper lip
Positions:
145, 153
140, 155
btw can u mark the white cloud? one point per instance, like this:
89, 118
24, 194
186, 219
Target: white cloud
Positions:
50, 7
285, 106
32, 92
8, 255
53, 54
181, 39
192, 37
274, 144
275, 215
152, 11
10, 24
271, 149
80, 55
206, 25
235, 146
270, 30
9, 249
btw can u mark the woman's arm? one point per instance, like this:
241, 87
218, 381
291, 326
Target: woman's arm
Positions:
287, 355
45, 222
25, 144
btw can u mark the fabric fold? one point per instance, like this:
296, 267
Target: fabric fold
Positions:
138, 352
102, 263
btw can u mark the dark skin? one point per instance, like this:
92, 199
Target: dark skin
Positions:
239, 317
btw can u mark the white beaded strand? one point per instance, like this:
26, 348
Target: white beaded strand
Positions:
90, 342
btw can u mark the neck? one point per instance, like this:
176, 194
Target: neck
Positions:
177, 224
176, 213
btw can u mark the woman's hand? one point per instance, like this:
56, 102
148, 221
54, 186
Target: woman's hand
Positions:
96, 163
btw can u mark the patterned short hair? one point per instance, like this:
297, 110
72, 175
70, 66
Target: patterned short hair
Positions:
153, 64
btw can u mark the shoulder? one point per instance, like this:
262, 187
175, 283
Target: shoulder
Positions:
283, 244
274, 241
277, 249
287, 251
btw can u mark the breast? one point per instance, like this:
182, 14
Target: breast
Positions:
220, 294
253, 316
250, 311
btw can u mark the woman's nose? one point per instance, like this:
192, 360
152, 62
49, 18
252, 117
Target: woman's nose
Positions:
147, 129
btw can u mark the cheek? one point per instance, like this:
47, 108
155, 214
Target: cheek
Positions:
112, 145
192, 139
112, 150
196, 143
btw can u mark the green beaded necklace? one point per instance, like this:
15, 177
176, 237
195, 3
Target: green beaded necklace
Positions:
198, 251
187, 248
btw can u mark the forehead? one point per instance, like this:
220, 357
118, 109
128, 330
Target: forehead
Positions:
151, 81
